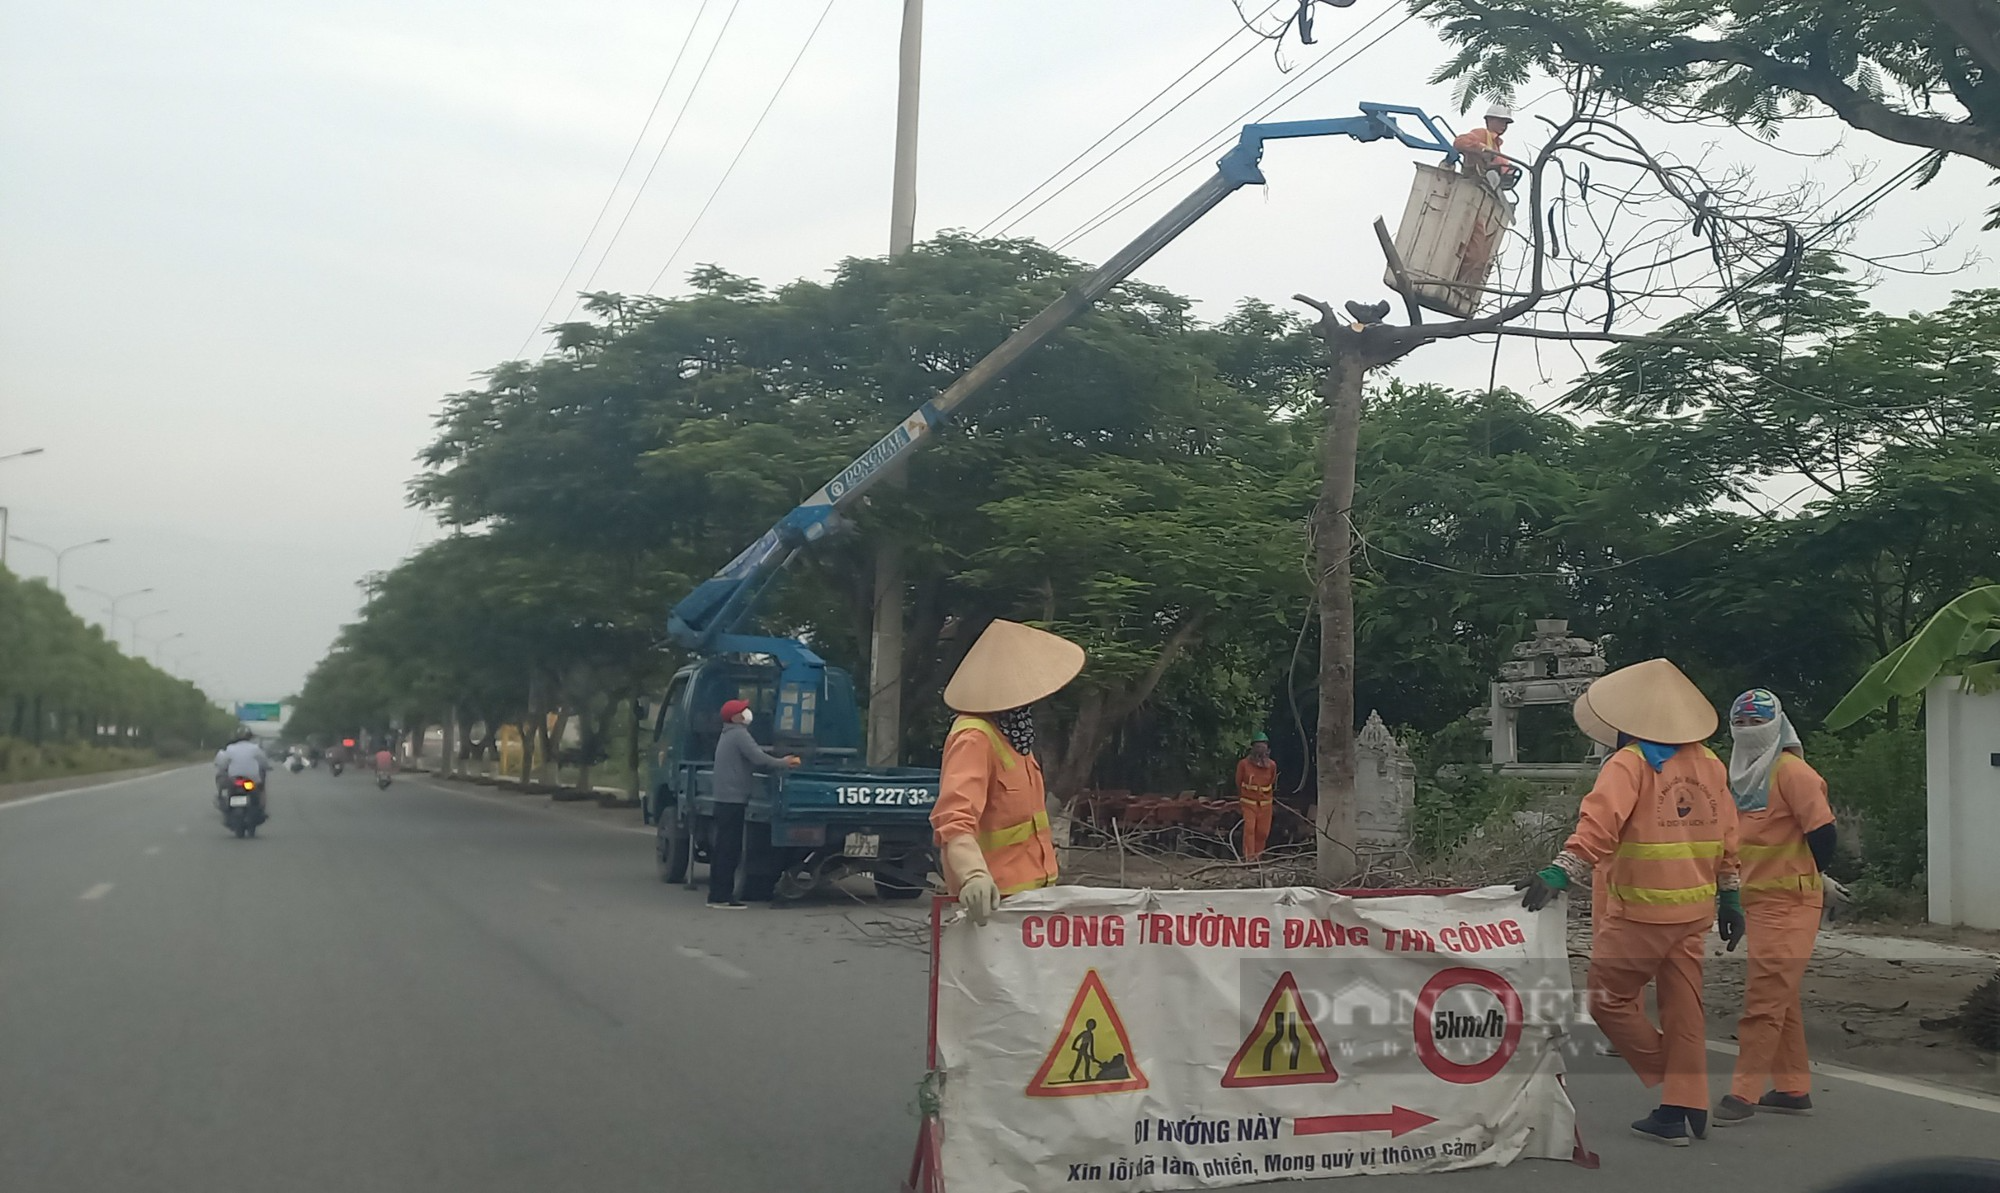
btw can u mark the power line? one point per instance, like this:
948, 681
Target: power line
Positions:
1112, 131
743, 148
1221, 137
630, 155
675, 127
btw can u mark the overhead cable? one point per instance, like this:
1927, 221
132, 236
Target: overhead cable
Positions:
741, 149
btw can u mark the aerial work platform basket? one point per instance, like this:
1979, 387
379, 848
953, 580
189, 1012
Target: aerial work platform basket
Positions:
1450, 238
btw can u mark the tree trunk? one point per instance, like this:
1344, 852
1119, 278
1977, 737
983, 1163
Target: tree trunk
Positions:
448, 743
885, 659
1333, 541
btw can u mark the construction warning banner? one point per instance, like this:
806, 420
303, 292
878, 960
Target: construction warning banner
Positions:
1115, 1039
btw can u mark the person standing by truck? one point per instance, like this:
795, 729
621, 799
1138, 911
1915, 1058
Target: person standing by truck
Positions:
991, 817
738, 758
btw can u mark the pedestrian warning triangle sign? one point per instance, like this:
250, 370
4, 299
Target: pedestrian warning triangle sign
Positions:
1093, 1053
1284, 1048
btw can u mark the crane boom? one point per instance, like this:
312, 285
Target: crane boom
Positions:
706, 619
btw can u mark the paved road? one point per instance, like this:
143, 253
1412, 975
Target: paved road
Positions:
436, 991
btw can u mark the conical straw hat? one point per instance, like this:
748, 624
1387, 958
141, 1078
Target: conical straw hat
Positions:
1593, 726
1011, 666
1651, 701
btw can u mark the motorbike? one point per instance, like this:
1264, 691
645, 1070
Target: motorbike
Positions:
335, 766
242, 806
296, 764
382, 780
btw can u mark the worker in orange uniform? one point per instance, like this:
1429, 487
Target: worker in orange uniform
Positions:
1788, 840
991, 818
1479, 148
1256, 787
1661, 819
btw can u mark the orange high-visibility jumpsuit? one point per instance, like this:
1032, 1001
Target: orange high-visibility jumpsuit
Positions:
1256, 788
996, 795
1782, 894
1666, 839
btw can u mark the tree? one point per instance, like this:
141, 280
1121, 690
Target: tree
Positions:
1924, 73
1614, 232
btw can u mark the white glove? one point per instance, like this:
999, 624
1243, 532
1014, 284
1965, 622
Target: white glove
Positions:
966, 865
1836, 891
980, 895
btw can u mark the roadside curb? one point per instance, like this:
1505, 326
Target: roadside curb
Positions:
466, 789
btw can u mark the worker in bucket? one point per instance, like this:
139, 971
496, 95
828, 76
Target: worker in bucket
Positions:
1479, 149
991, 819
1661, 819
1788, 840
1256, 787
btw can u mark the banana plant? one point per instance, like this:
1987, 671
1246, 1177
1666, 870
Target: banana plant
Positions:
1957, 640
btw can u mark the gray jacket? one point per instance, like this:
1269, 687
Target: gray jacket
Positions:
737, 757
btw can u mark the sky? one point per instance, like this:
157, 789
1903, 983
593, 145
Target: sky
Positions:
247, 248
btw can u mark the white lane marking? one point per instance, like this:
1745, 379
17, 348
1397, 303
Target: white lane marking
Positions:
150, 850
543, 884
714, 962
25, 800
99, 891
1964, 1099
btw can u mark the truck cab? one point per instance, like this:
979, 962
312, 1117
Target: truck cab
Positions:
829, 817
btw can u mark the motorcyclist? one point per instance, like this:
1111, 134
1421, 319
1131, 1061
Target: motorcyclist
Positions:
243, 758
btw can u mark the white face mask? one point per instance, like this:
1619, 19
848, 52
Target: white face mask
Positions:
745, 717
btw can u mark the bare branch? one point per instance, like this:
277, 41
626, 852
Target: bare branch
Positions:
1401, 274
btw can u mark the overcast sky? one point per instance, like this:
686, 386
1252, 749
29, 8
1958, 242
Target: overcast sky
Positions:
249, 246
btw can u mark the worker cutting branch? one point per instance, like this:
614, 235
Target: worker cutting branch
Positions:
1661, 819
1788, 840
1479, 149
991, 816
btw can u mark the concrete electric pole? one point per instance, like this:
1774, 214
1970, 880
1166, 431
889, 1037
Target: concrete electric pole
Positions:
885, 650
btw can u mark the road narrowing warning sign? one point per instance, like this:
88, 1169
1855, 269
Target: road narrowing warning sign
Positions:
1284, 1048
1093, 1052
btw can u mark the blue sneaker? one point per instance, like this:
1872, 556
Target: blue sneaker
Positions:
1668, 1125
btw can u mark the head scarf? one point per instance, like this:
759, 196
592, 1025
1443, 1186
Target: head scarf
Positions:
1017, 725
1757, 746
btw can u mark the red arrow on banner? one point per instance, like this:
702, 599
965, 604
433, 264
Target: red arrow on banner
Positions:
1399, 1121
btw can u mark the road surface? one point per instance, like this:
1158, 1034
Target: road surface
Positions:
435, 990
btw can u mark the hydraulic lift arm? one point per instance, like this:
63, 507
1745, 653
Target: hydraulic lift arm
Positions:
707, 618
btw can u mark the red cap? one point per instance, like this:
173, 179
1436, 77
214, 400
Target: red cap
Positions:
732, 707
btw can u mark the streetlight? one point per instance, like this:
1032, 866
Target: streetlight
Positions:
6, 515
144, 617
60, 554
112, 602
162, 645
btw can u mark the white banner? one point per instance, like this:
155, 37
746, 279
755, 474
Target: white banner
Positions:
1114, 1039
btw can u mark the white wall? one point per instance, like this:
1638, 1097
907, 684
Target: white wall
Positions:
1963, 734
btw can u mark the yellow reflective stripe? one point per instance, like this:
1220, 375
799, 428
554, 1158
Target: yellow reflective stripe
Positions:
1031, 885
1669, 849
1759, 853
1661, 895
1014, 834
1711, 753
1000, 746
1634, 749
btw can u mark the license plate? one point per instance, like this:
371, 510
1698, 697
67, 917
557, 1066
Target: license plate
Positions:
239, 801
863, 845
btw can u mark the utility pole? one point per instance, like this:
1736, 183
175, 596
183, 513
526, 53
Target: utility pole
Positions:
885, 648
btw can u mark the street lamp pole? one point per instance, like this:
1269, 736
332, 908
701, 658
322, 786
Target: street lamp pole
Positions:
113, 603
61, 553
5, 515
137, 621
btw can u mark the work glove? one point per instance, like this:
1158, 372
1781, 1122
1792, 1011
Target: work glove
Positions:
1729, 918
1836, 891
1541, 886
966, 865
